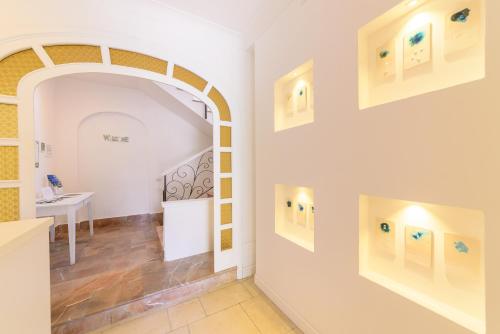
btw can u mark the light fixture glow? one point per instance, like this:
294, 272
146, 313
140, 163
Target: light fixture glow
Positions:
412, 3
416, 215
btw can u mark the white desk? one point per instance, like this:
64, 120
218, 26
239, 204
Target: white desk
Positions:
68, 205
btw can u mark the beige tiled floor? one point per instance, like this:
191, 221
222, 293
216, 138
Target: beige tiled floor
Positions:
237, 308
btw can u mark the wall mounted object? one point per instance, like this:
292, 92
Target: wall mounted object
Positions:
417, 47
430, 254
294, 215
420, 47
294, 98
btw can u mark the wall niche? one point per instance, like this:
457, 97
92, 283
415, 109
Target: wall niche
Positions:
421, 46
294, 98
294, 215
430, 254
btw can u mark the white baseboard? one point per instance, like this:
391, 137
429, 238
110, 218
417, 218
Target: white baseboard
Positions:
289, 311
247, 271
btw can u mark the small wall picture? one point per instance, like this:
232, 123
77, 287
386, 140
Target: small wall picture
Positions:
289, 211
418, 47
301, 96
301, 214
462, 257
310, 216
386, 61
418, 246
463, 27
384, 232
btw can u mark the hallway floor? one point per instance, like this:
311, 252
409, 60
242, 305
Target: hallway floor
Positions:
123, 262
236, 308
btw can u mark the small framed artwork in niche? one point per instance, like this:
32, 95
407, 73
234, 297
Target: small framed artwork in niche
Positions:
418, 247
294, 98
386, 61
462, 28
418, 47
384, 238
462, 257
294, 214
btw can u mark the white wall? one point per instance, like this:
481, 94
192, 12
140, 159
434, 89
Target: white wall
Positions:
440, 147
44, 115
123, 175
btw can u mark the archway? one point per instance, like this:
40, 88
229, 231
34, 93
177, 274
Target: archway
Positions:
22, 69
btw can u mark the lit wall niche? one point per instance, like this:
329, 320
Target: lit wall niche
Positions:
294, 215
430, 254
294, 98
421, 46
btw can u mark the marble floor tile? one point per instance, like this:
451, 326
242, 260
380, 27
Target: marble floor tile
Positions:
155, 322
267, 318
185, 313
254, 315
230, 321
121, 263
223, 298
182, 330
251, 287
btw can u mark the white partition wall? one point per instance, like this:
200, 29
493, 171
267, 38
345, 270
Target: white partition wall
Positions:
436, 146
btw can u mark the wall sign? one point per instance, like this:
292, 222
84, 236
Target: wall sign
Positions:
116, 139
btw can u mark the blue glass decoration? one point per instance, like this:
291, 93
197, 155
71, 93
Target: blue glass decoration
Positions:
386, 228
54, 181
301, 207
419, 235
289, 204
383, 54
461, 247
461, 16
417, 38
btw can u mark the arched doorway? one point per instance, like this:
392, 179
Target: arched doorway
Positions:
23, 68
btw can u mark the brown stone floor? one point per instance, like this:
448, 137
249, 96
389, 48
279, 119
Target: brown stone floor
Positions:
123, 262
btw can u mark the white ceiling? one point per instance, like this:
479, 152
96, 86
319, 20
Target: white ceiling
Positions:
249, 17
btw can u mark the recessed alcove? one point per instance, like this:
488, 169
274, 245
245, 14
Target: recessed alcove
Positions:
294, 98
420, 46
428, 253
294, 215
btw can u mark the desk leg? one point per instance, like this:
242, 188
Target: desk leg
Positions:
53, 232
72, 235
91, 218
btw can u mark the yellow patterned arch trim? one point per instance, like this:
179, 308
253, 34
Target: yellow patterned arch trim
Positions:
226, 214
190, 78
226, 239
220, 102
225, 162
225, 136
16, 66
66, 54
226, 188
8, 121
138, 60
9, 204
9, 163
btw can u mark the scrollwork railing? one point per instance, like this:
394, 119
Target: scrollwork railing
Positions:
192, 180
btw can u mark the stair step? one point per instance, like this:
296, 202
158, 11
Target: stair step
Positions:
160, 299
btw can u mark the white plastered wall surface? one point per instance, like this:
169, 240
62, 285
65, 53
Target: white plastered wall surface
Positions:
217, 54
438, 148
125, 177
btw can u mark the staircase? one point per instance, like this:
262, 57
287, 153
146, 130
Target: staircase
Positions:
191, 179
